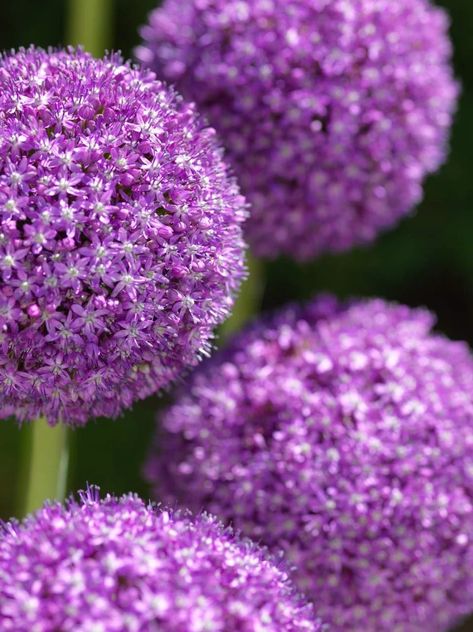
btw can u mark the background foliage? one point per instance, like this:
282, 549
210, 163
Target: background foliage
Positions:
427, 260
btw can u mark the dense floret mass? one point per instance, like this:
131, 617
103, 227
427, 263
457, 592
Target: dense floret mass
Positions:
332, 111
120, 235
343, 434
118, 565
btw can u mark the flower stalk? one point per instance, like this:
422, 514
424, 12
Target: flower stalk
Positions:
47, 460
90, 25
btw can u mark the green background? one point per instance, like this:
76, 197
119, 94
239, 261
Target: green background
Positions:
427, 260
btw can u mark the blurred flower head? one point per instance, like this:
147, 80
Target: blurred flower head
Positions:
120, 235
116, 564
343, 434
332, 111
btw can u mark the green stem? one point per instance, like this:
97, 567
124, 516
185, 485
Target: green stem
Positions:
90, 25
47, 465
249, 300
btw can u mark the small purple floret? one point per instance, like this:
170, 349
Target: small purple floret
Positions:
332, 111
120, 235
343, 434
117, 565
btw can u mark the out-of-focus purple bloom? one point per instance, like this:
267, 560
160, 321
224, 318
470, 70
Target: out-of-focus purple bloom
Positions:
120, 235
117, 565
342, 434
332, 111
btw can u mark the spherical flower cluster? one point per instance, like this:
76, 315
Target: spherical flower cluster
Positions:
332, 111
343, 434
120, 235
118, 565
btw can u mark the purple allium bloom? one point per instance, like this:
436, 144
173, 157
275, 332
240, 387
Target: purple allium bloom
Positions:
332, 111
120, 235
343, 434
117, 565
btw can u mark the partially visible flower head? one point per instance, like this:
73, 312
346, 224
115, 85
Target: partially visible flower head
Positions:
343, 434
117, 565
332, 111
120, 235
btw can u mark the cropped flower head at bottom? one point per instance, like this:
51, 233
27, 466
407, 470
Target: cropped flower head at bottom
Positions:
118, 565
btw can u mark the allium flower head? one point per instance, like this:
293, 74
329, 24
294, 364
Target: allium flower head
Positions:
343, 434
120, 235
117, 565
332, 111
